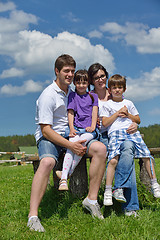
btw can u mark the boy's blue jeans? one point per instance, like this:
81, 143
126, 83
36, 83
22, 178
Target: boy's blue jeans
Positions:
125, 176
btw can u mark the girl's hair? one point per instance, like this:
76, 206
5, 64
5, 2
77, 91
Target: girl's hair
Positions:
82, 75
64, 60
93, 69
117, 79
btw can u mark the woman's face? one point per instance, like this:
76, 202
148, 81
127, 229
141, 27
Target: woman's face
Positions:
99, 79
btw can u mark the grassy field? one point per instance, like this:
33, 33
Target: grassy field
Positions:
63, 216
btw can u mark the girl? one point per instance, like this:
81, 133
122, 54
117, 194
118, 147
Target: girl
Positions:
82, 117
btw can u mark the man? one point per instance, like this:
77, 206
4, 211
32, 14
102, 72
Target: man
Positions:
51, 120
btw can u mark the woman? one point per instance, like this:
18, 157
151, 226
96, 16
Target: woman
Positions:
125, 172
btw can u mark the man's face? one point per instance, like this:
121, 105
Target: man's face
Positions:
65, 75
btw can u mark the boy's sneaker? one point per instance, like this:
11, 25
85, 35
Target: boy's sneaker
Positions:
118, 195
155, 188
130, 213
108, 197
94, 209
35, 224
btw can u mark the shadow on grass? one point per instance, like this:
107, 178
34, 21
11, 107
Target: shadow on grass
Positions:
56, 202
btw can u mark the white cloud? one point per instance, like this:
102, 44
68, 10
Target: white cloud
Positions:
113, 28
145, 40
35, 52
147, 86
95, 34
7, 6
12, 72
17, 21
28, 87
71, 17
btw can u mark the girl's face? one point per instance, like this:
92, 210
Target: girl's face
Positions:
99, 80
81, 86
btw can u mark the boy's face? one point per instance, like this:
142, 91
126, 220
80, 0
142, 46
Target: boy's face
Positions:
116, 91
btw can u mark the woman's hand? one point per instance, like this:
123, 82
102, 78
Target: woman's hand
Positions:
132, 128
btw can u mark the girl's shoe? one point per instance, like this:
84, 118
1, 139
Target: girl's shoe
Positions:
59, 174
63, 186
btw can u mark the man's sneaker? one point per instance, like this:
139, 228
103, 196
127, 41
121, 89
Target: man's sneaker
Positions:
130, 213
108, 197
94, 209
118, 195
155, 188
35, 224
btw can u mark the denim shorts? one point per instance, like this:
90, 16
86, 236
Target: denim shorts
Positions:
103, 137
81, 131
49, 149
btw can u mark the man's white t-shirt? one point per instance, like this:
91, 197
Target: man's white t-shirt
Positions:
51, 108
110, 107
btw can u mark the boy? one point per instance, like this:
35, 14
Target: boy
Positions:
118, 114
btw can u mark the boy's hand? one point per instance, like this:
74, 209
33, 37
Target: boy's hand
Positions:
123, 112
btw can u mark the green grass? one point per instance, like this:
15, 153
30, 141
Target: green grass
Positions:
63, 217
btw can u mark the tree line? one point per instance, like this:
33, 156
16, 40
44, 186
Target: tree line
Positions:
12, 143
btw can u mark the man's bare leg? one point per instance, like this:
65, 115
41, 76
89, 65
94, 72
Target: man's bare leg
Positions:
39, 184
97, 168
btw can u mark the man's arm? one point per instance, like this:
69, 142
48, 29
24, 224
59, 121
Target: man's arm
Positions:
57, 139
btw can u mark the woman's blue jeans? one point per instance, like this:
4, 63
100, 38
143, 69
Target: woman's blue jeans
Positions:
125, 176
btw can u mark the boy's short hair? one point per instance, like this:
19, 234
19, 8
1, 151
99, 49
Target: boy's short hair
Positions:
64, 60
118, 80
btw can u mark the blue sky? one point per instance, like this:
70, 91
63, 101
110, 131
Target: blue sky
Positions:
123, 35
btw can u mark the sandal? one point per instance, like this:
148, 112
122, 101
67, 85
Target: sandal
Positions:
63, 186
59, 174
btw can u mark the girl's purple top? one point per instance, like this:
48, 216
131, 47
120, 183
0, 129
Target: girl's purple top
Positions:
82, 106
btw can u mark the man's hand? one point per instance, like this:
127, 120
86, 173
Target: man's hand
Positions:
78, 148
132, 128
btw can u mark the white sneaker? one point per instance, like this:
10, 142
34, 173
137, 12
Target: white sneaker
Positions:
130, 213
35, 224
155, 188
118, 195
108, 197
94, 209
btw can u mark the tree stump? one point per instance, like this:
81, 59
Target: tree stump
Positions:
78, 183
144, 177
